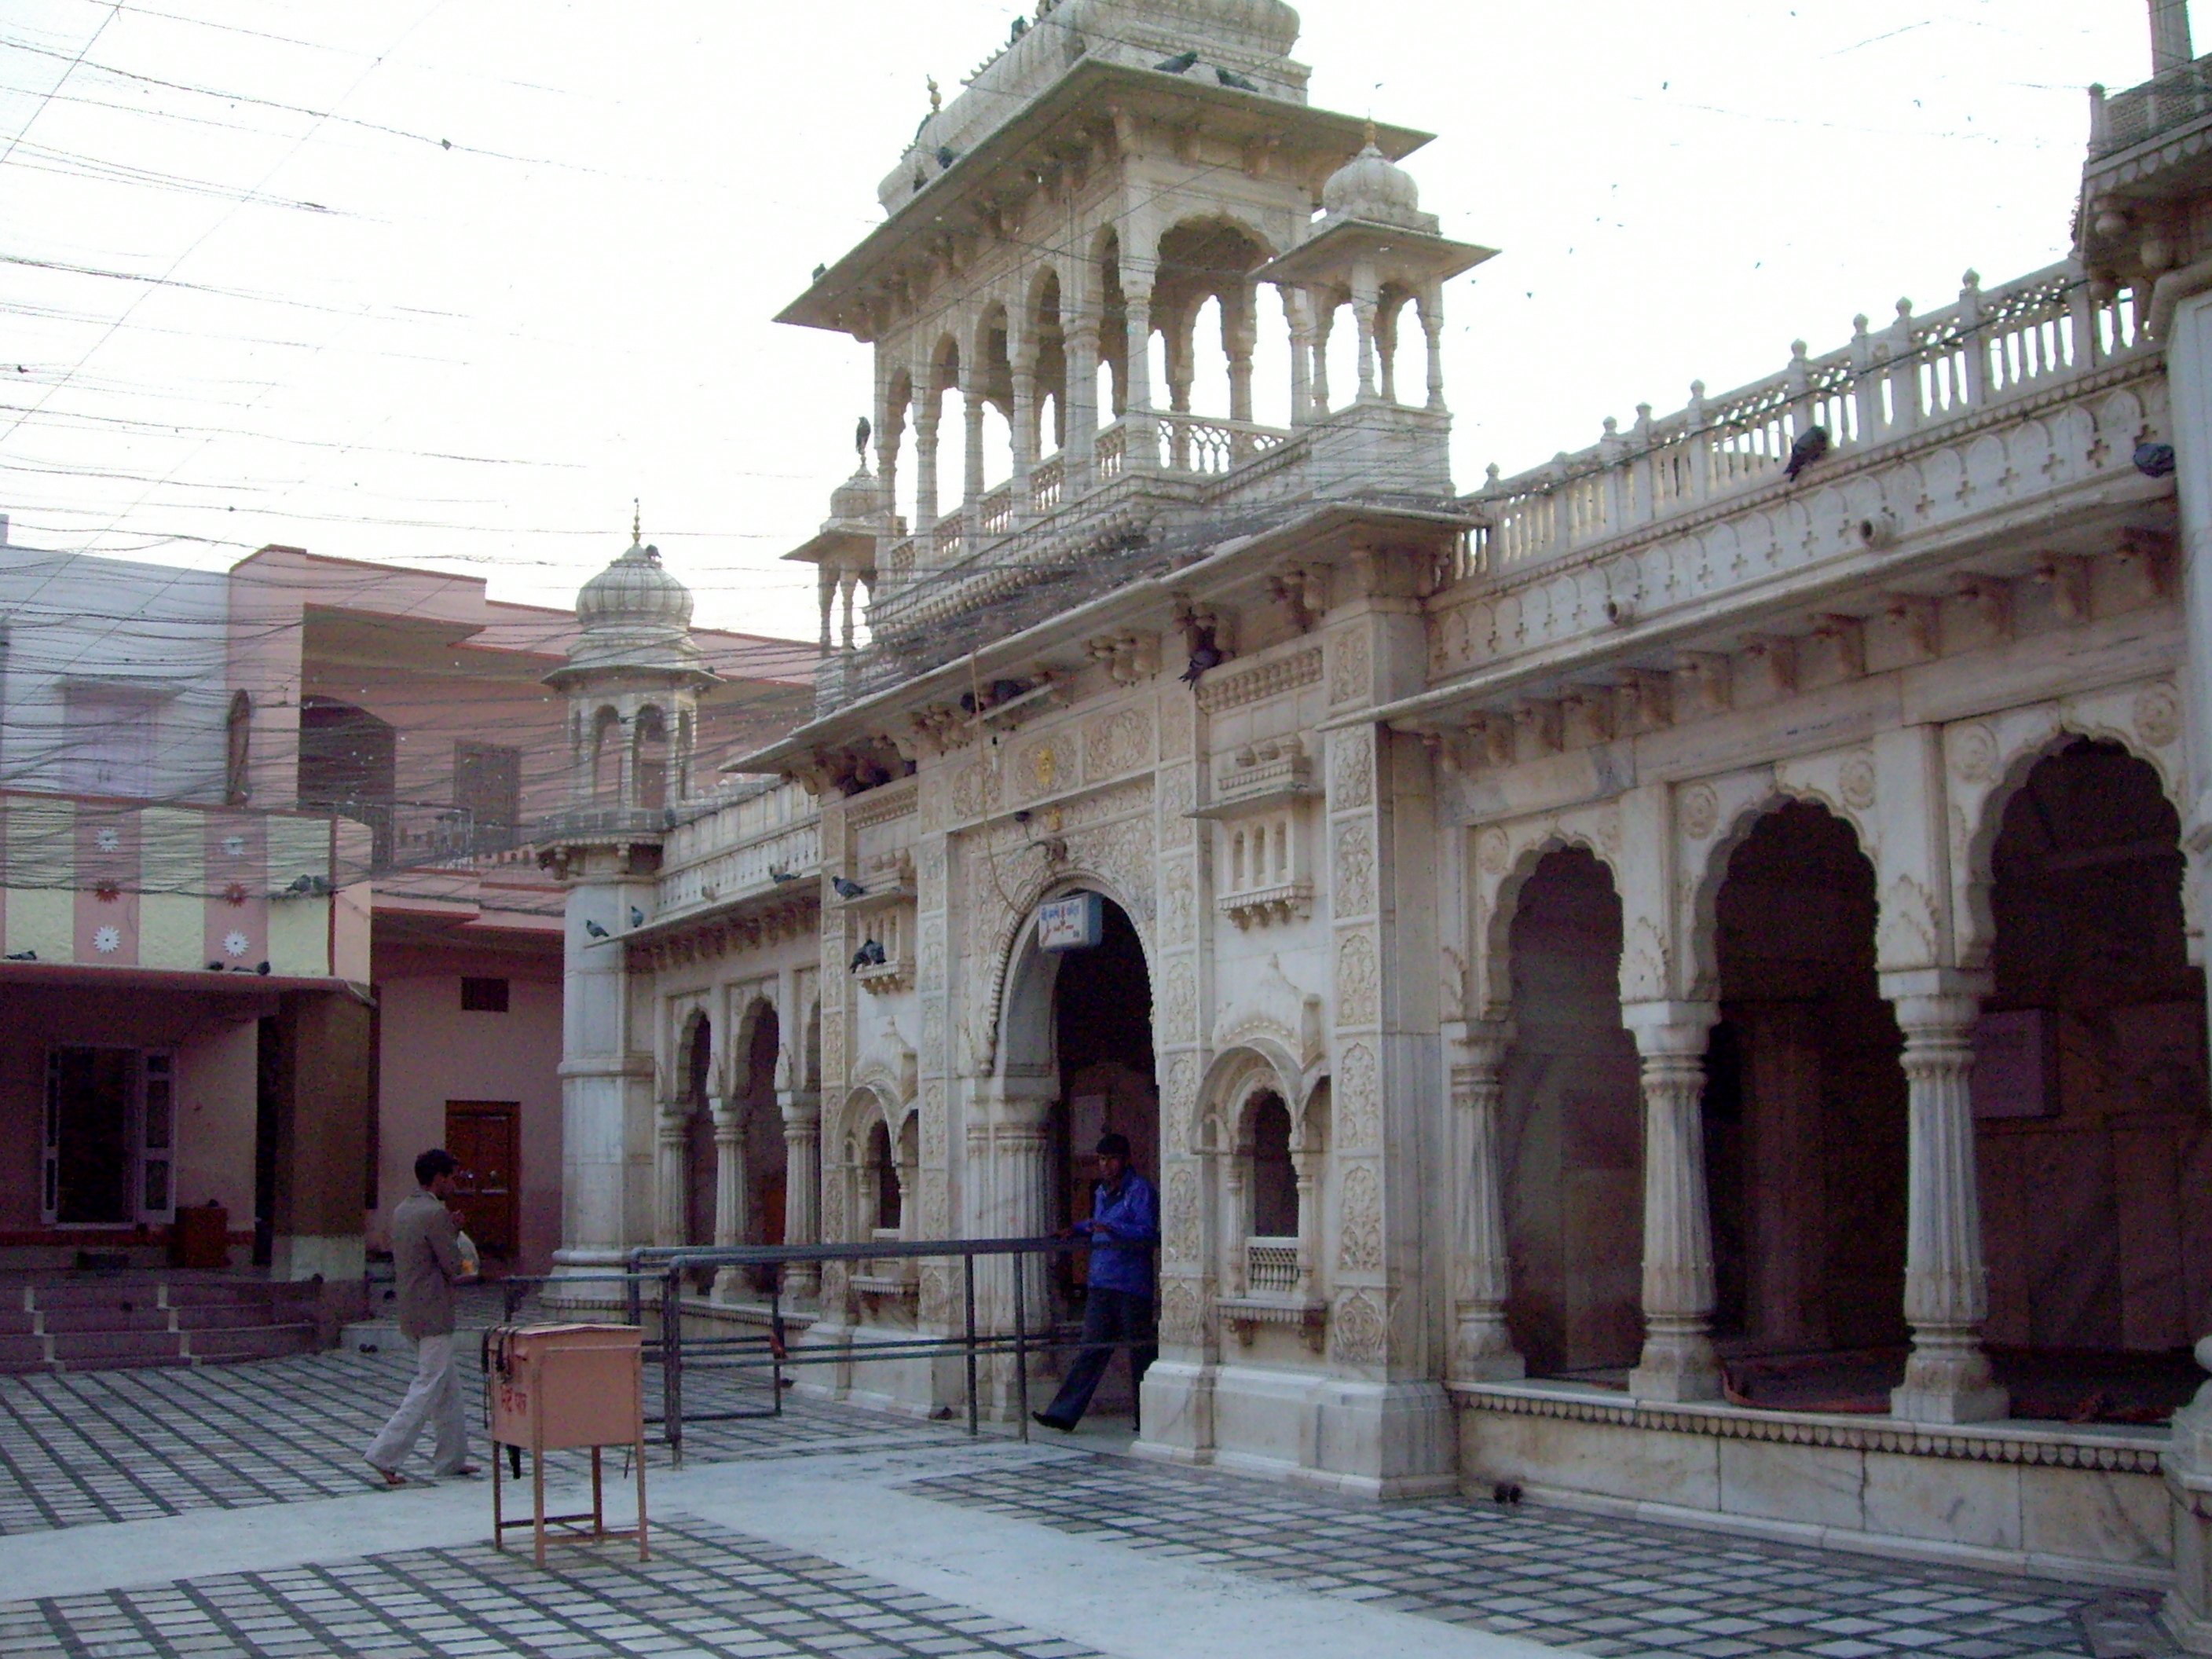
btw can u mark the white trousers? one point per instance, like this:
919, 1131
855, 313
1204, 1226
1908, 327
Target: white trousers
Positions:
434, 1396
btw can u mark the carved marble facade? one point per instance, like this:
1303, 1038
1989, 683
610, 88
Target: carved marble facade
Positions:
1449, 848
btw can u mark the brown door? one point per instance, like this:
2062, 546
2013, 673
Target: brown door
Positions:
484, 1136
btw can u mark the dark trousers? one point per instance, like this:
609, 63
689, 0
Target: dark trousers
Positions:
1109, 1317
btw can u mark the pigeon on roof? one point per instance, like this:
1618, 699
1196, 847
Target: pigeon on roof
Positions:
1178, 63
1808, 449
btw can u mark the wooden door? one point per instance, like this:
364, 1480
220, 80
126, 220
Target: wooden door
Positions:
485, 1137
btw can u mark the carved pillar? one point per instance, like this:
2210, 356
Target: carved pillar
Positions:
670, 1172
825, 581
1080, 397
1946, 1297
1482, 1347
1299, 310
1025, 426
1678, 1361
972, 404
730, 1188
1386, 349
801, 1110
925, 477
1142, 431
1239, 335
1303, 1164
1364, 308
1432, 325
1324, 321
1178, 331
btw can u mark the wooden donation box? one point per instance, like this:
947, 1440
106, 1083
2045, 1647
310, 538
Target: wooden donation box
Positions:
555, 1387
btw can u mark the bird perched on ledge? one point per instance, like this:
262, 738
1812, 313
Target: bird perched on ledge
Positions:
777, 873
2154, 460
848, 888
870, 955
1808, 449
1231, 78
1178, 64
1204, 654
596, 931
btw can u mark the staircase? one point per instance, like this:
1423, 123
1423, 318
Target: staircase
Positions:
114, 1321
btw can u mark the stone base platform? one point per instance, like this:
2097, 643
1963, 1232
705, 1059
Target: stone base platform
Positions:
2053, 1499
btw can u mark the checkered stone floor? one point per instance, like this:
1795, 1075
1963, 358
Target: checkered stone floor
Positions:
1607, 1588
705, 1591
82, 1447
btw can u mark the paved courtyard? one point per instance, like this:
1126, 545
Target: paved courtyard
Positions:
227, 1513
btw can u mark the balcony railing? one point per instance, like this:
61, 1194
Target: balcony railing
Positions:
2159, 106
1918, 372
406, 835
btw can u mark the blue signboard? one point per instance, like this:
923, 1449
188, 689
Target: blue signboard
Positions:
1074, 923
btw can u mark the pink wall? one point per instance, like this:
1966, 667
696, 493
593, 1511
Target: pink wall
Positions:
216, 1037
434, 1051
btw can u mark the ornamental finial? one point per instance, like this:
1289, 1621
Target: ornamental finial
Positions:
636, 523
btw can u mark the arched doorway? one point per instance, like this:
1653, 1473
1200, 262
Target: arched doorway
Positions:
1102, 1033
1572, 1127
1804, 1116
2090, 1096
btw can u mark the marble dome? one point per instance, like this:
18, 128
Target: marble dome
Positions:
1372, 186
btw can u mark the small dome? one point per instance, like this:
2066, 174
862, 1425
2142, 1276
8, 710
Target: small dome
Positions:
633, 614
1371, 186
857, 500
634, 592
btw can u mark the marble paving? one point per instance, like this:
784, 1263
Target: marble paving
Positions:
225, 1512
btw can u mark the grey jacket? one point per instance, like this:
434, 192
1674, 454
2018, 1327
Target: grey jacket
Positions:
425, 1262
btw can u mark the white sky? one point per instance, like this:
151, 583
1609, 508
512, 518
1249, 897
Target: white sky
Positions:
581, 289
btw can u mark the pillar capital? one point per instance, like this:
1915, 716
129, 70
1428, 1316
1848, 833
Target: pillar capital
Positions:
1670, 1027
799, 1108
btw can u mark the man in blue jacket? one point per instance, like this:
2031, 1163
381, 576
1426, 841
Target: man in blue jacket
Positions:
1124, 1229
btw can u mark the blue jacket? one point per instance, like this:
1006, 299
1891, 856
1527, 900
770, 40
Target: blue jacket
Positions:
1124, 1227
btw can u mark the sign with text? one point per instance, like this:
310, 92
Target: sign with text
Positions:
1074, 923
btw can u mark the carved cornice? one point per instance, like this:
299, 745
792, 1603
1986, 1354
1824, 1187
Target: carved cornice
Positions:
1992, 1445
881, 805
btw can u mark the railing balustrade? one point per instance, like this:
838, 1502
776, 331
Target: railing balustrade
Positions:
1882, 385
2161, 104
1047, 480
1271, 1266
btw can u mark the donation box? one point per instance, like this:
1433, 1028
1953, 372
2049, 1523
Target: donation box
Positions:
557, 1388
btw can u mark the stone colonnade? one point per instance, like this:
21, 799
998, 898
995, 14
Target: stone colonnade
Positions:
1910, 796
1073, 304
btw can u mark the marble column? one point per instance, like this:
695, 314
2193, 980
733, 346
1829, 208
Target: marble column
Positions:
1324, 322
1678, 1362
1365, 307
1143, 442
1482, 1348
669, 1173
1947, 1379
1081, 395
1433, 326
925, 479
1026, 428
972, 404
801, 1110
1300, 313
1239, 335
732, 1189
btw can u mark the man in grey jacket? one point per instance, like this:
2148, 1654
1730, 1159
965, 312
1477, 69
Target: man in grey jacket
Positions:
426, 1264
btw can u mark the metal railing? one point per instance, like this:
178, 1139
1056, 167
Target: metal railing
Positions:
662, 1273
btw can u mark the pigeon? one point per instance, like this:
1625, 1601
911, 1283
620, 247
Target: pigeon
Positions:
1231, 78
777, 873
22, 956
2154, 460
1021, 28
848, 888
1178, 63
262, 968
596, 931
870, 955
636, 917
1806, 449
1505, 1492
946, 156
820, 272
860, 438
1203, 655
215, 967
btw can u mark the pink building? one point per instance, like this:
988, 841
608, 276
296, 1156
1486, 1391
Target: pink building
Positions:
272, 915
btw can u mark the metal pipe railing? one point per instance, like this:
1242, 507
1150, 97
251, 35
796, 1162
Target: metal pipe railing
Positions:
667, 1266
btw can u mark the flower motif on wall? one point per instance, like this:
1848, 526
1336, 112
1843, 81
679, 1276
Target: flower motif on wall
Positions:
234, 845
107, 839
107, 892
107, 940
236, 942
234, 894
